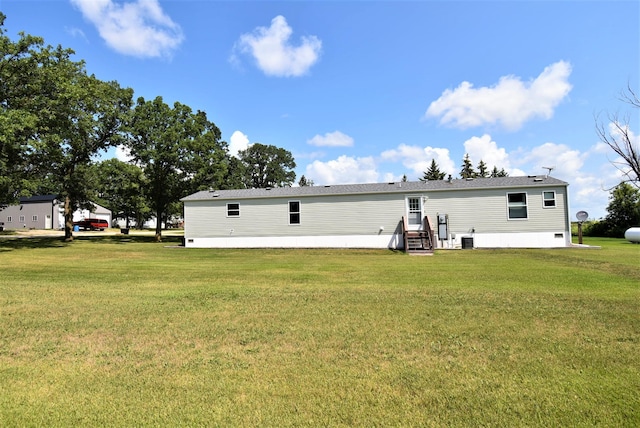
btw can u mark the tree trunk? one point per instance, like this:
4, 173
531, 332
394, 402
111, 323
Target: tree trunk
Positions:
158, 226
68, 220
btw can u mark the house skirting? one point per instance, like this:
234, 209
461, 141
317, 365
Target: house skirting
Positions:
341, 241
552, 239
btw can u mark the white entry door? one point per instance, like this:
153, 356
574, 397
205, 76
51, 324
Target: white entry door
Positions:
414, 212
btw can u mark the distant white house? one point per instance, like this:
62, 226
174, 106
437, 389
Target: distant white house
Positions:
97, 211
476, 213
45, 212
148, 224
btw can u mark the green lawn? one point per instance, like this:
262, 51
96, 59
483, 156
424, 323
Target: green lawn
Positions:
121, 331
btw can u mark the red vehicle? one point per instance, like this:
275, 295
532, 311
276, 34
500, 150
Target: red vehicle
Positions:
92, 224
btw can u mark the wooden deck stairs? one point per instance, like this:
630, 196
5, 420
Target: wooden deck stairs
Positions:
418, 242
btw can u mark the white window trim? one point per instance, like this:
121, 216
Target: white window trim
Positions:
9, 219
233, 203
420, 208
555, 199
299, 212
526, 205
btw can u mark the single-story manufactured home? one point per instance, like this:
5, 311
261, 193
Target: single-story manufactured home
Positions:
524, 212
45, 212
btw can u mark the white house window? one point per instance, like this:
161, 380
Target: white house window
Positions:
294, 212
21, 219
233, 210
34, 218
517, 206
9, 219
549, 199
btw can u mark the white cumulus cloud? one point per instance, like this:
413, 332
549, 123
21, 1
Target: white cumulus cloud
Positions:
567, 162
344, 170
139, 28
273, 52
331, 139
486, 150
237, 142
418, 159
509, 103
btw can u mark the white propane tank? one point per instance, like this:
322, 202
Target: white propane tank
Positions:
633, 235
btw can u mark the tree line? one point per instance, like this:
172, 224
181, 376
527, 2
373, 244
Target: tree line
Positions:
55, 120
433, 173
623, 212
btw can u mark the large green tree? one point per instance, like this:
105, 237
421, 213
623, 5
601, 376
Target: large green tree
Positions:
179, 151
267, 166
84, 118
498, 173
120, 189
483, 170
467, 170
54, 119
22, 99
235, 174
433, 173
623, 210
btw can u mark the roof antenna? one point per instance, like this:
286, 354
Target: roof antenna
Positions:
550, 168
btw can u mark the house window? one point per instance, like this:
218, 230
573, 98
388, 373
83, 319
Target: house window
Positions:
9, 219
517, 206
549, 199
233, 210
21, 219
294, 212
34, 218
415, 210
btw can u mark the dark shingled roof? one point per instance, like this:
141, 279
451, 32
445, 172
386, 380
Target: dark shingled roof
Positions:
38, 198
395, 187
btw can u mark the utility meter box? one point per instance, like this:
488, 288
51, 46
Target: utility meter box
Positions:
443, 226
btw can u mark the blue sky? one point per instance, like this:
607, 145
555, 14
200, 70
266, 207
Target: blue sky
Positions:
367, 91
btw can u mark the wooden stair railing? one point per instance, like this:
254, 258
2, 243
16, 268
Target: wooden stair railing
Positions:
431, 238
418, 241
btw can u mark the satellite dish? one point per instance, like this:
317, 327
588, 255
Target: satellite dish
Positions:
582, 215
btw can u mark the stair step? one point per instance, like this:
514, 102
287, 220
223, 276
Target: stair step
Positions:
418, 242
420, 253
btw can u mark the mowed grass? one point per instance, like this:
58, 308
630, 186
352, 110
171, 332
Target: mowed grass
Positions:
126, 332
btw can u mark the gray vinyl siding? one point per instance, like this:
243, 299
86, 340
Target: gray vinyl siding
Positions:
28, 210
337, 215
483, 210
486, 211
